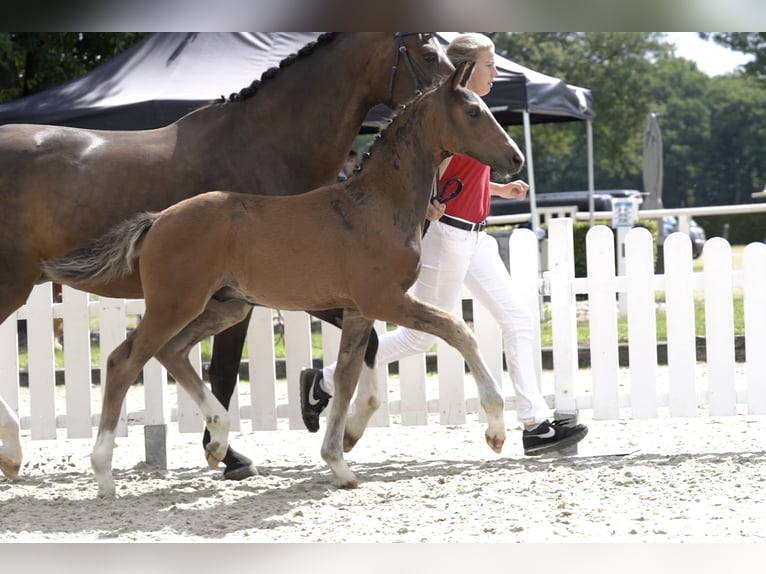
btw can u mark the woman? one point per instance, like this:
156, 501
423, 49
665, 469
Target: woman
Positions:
457, 250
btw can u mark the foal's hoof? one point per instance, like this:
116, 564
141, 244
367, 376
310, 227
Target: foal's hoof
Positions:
11, 470
240, 473
347, 483
495, 442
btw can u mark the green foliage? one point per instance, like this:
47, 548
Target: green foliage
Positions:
35, 61
753, 43
580, 230
713, 129
743, 228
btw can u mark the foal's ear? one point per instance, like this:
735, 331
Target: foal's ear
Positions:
461, 74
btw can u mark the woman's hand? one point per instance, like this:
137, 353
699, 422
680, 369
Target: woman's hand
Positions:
435, 210
513, 190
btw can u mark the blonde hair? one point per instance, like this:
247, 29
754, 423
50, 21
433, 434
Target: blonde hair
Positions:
466, 47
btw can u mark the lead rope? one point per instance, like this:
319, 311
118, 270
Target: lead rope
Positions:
442, 196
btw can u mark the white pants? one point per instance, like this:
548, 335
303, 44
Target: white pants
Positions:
451, 257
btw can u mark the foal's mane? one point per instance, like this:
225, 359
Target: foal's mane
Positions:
381, 136
304, 52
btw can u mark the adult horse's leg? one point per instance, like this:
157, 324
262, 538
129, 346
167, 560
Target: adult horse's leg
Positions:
17, 278
10, 443
354, 338
224, 370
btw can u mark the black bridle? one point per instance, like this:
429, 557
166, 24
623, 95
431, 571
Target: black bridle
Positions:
415, 71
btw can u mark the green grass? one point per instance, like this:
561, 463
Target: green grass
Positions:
583, 327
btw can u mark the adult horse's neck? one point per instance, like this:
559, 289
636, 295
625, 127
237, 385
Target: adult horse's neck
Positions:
306, 115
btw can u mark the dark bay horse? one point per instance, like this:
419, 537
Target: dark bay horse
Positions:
364, 259
285, 134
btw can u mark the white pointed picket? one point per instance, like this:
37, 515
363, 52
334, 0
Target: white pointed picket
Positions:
754, 293
602, 286
719, 326
680, 322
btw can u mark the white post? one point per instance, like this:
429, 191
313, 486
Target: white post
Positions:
563, 312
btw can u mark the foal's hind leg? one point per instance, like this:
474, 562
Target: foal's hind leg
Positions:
174, 355
356, 332
365, 405
224, 370
10, 443
123, 367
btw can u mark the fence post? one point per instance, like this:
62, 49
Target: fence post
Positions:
77, 371
642, 322
297, 356
112, 316
679, 302
754, 266
602, 287
719, 326
42, 366
260, 352
563, 315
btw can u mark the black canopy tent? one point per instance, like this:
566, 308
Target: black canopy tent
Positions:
166, 75
158, 80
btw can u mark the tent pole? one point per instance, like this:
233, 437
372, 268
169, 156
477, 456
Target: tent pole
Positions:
535, 218
591, 183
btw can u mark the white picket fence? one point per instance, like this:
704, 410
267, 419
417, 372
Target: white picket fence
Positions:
264, 403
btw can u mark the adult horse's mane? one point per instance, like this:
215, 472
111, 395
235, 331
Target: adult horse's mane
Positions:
252, 89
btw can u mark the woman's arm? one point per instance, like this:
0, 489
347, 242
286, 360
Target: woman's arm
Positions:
513, 190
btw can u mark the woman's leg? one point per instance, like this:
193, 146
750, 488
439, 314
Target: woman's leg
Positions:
490, 283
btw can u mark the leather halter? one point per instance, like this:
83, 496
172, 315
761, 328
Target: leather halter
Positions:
401, 49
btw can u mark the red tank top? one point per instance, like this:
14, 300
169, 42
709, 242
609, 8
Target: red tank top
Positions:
471, 204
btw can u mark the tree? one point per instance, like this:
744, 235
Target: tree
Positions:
746, 42
616, 67
31, 62
680, 94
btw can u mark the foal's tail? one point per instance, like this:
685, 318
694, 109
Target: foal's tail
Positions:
104, 259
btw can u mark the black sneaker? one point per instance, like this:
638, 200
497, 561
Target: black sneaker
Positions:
552, 436
313, 398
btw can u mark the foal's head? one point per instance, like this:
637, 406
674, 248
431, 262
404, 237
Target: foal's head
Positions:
469, 128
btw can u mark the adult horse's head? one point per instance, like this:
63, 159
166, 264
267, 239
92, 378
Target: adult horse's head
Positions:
473, 130
419, 63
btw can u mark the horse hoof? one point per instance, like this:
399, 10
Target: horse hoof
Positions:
240, 473
106, 492
495, 443
348, 484
10, 469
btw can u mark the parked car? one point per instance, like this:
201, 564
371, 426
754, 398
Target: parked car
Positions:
696, 232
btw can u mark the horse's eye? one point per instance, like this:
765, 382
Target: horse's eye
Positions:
474, 112
429, 57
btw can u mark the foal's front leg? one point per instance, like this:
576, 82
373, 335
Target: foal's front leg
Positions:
406, 310
353, 340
